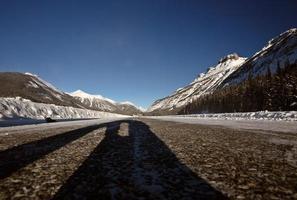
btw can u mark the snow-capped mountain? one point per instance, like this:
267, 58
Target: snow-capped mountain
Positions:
29, 86
280, 51
129, 107
98, 102
203, 84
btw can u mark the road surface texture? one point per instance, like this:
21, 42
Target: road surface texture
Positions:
239, 124
145, 159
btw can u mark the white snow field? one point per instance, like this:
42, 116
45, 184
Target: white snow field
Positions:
19, 108
261, 115
259, 121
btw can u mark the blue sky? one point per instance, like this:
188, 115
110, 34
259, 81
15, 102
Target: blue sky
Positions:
138, 50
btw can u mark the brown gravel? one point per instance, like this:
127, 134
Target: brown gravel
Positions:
148, 159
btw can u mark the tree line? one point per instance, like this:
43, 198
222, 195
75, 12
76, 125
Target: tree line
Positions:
273, 92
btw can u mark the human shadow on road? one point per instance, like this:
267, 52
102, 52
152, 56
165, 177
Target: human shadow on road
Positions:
20, 156
135, 165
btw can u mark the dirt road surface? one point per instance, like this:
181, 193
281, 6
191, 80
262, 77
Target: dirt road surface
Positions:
146, 159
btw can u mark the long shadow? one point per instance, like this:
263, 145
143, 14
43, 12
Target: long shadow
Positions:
28, 121
98, 175
18, 157
137, 165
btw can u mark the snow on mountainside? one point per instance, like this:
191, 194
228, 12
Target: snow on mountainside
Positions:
128, 103
18, 107
46, 84
280, 51
82, 94
96, 102
29, 86
203, 84
129, 108
105, 104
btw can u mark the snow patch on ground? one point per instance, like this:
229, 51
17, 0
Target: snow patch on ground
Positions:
261, 115
264, 122
12, 108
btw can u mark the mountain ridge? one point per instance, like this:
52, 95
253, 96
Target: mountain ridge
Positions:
105, 104
280, 51
213, 77
32, 87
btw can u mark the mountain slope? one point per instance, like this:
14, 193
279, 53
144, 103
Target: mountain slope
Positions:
33, 88
203, 84
128, 107
98, 102
273, 92
29, 86
280, 51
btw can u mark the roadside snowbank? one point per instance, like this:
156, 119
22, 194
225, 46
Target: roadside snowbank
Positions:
261, 115
11, 108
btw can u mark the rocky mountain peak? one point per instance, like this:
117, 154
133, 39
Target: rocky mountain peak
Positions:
232, 56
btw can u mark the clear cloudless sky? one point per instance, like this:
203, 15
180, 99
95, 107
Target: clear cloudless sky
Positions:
138, 50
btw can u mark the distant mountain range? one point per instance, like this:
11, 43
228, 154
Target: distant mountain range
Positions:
231, 70
32, 87
98, 102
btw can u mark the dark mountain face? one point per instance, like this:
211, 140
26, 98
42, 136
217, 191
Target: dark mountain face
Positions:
128, 109
281, 51
14, 84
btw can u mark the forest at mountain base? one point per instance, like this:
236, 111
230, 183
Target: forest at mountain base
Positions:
273, 92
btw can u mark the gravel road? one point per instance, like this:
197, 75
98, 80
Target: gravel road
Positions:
146, 159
